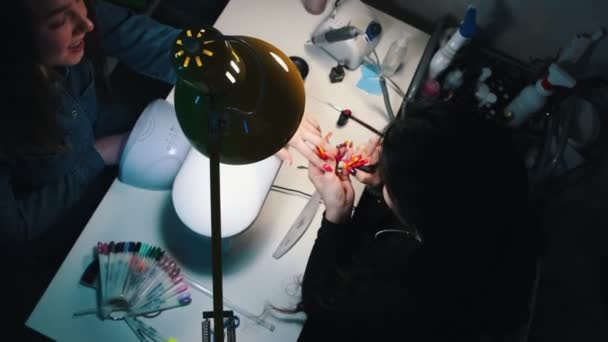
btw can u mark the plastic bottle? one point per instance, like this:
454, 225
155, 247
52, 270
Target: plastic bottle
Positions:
443, 57
394, 57
533, 97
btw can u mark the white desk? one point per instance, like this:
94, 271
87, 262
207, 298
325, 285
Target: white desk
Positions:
251, 275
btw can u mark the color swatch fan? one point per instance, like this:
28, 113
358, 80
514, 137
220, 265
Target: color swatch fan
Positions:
137, 279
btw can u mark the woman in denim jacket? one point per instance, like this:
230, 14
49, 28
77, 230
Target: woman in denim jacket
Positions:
55, 145
59, 133
52, 154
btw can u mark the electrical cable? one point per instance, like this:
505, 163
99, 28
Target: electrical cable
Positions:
395, 87
387, 100
290, 191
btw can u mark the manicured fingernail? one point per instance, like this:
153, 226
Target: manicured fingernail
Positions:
321, 153
327, 168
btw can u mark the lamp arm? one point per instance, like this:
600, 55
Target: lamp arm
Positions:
214, 141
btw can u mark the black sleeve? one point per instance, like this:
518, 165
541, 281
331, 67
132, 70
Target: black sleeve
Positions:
373, 214
332, 247
341, 252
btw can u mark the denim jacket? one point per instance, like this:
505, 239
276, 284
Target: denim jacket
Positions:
37, 194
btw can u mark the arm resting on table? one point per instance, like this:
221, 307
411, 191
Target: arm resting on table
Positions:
26, 218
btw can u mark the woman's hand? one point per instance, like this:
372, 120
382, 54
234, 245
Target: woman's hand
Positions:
370, 151
110, 147
305, 141
337, 194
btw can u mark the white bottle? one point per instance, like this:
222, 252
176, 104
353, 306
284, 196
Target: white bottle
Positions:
394, 57
533, 97
443, 57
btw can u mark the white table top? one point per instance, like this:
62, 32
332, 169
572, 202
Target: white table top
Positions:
251, 275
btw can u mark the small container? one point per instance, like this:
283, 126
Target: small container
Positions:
431, 88
394, 57
453, 80
315, 7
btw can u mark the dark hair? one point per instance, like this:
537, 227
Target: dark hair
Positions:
441, 158
29, 126
461, 183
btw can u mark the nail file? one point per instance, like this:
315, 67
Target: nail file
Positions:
299, 226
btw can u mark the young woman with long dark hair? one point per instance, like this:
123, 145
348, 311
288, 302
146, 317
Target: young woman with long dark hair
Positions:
445, 252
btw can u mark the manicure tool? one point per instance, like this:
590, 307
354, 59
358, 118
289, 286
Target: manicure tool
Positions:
299, 226
346, 114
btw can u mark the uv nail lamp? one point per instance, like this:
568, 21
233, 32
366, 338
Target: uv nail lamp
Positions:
155, 149
157, 156
243, 191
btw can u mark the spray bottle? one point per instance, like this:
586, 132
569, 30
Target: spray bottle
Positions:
533, 97
443, 57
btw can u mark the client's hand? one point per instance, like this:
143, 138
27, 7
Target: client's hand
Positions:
370, 151
305, 141
337, 194
110, 147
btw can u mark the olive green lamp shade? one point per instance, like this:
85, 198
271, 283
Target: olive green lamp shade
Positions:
255, 90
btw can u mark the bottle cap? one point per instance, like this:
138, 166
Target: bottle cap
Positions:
559, 77
491, 99
543, 87
374, 29
453, 80
468, 26
485, 74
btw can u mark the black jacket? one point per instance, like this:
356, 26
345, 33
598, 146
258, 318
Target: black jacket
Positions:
359, 288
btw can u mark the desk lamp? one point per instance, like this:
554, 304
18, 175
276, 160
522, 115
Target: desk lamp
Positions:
238, 100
